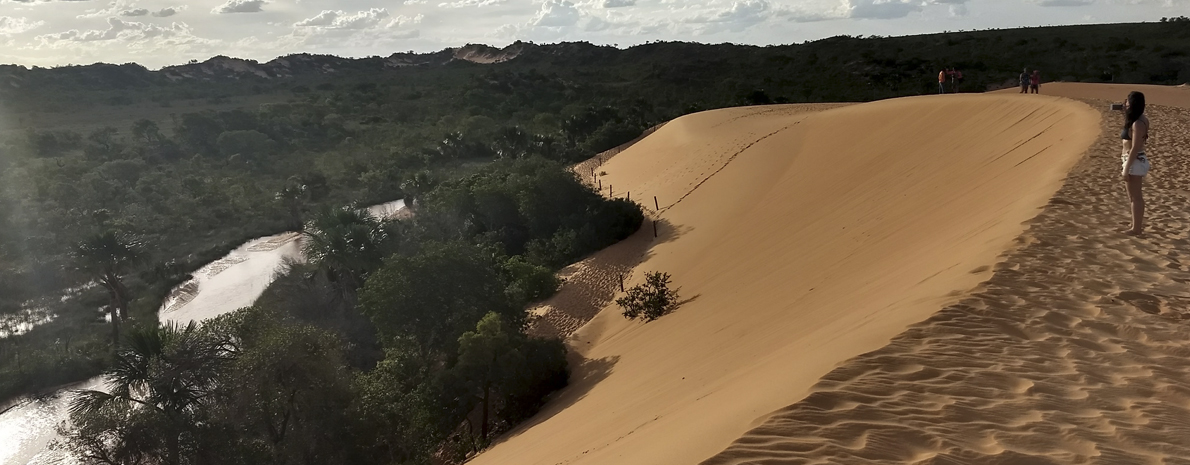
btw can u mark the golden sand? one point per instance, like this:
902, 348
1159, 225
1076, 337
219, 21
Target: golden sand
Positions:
1074, 352
801, 237
1170, 96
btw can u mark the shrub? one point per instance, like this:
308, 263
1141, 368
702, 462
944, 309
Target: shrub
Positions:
650, 300
529, 283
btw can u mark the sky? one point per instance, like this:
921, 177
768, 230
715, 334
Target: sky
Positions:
158, 33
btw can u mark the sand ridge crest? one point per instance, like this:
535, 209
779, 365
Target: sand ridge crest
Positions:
799, 246
1105, 94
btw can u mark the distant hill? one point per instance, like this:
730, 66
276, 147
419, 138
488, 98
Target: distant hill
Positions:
835, 69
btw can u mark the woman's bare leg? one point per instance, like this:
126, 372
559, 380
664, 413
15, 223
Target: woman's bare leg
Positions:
1138, 205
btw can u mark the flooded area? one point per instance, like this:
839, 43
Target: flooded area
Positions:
24, 320
28, 428
232, 282
36, 312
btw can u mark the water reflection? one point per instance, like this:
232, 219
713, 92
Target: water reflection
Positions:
27, 428
24, 320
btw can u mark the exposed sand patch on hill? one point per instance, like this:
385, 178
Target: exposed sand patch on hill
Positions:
484, 54
802, 239
1074, 352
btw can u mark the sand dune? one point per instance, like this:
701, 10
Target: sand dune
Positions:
802, 237
1170, 96
1074, 352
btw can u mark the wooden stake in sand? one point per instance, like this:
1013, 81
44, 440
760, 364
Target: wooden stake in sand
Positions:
621, 283
600, 184
655, 205
654, 228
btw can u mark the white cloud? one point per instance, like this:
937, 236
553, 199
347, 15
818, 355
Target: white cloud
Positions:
10, 26
112, 9
739, 16
128, 9
371, 28
893, 9
881, 9
239, 6
1065, 2
808, 11
326, 18
470, 3
338, 19
618, 3
341, 20
401, 21
130, 32
557, 13
563, 19
167, 12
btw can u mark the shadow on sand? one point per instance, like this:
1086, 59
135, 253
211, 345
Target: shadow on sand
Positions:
585, 374
589, 286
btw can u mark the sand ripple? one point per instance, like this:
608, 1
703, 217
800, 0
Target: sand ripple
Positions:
1076, 350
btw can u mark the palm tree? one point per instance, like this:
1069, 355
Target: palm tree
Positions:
416, 185
293, 197
512, 142
346, 244
106, 256
159, 380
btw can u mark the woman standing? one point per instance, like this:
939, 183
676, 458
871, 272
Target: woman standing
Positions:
1136, 165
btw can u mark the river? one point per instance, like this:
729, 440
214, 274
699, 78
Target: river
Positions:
28, 429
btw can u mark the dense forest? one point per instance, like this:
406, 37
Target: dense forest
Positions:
397, 342
117, 182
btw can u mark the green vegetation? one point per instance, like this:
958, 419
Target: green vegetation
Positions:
249, 387
428, 366
117, 182
106, 257
650, 300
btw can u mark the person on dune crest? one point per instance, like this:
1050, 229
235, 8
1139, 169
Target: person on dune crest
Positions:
1136, 165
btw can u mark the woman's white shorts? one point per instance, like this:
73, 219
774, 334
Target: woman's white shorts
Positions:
1140, 167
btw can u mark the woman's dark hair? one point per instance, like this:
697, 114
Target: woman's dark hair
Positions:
1136, 107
